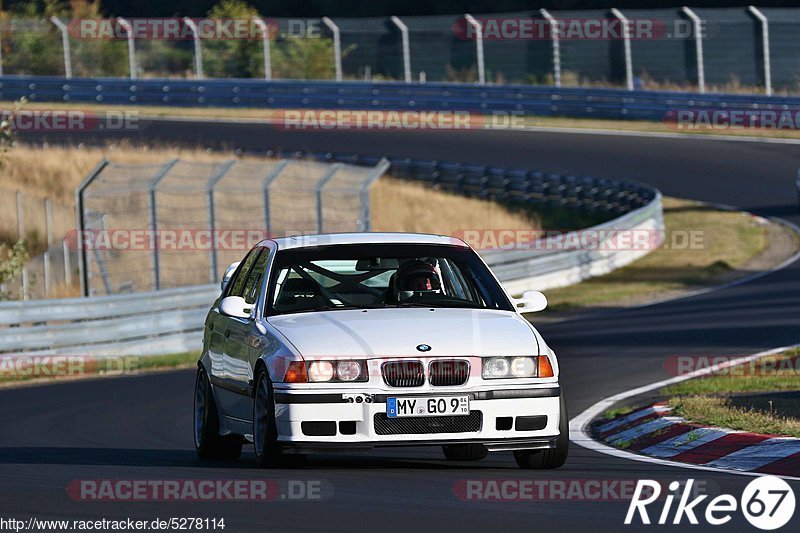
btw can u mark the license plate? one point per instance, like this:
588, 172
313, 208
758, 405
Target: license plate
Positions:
427, 406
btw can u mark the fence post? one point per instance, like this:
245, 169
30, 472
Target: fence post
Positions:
131, 46
478, 46
764, 47
48, 224
100, 259
198, 52
83, 268
365, 220
212, 223
64, 44
337, 46
21, 230
154, 219
555, 38
406, 48
46, 259
67, 266
320, 184
268, 179
626, 39
698, 45
261, 25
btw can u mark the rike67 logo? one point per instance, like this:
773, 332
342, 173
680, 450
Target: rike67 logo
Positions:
767, 503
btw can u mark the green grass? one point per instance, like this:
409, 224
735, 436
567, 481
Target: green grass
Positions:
745, 378
158, 362
104, 366
720, 399
716, 411
614, 412
727, 240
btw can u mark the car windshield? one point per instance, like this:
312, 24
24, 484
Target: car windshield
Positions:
369, 276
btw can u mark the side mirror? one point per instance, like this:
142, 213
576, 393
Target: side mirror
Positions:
531, 302
235, 306
228, 274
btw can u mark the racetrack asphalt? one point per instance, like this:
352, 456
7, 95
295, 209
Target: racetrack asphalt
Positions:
140, 427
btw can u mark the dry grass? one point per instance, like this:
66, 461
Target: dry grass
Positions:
727, 240
430, 211
552, 122
55, 172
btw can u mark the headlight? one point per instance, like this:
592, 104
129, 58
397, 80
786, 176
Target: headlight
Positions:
320, 371
337, 371
496, 367
348, 370
512, 367
523, 367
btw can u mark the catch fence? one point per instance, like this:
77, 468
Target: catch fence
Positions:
148, 227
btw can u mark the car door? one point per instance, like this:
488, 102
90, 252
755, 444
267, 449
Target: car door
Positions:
243, 335
228, 394
215, 326
218, 324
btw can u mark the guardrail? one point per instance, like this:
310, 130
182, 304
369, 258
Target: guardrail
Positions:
171, 320
520, 270
637, 209
167, 321
525, 99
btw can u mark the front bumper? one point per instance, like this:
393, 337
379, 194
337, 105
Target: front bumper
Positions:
508, 419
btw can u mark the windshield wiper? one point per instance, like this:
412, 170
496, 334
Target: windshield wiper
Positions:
440, 305
333, 307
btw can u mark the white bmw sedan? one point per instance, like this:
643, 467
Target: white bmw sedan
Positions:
350, 341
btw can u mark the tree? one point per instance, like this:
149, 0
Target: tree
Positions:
32, 44
306, 58
12, 260
234, 58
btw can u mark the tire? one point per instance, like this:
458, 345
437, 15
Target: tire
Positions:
208, 443
465, 452
265, 430
553, 457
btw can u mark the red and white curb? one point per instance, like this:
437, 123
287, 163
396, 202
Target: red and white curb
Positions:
651, 431
581, 427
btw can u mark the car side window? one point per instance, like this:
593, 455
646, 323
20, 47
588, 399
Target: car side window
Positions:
237, 284
253, 285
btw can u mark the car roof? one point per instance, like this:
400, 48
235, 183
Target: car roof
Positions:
333, 239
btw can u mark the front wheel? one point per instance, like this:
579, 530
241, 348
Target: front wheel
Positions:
208, 443
265, 429
553, 457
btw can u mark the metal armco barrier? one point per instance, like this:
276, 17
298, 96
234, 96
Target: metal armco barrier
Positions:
167, 321
171, 320
528, 100
635, 208
634, 47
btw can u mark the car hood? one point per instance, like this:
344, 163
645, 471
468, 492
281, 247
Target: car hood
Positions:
397, 332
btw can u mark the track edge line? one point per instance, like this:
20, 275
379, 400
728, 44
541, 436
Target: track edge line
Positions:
579, 425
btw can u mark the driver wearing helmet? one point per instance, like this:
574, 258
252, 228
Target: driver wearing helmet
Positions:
415, 278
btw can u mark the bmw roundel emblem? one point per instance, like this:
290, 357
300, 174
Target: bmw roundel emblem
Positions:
423, 348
